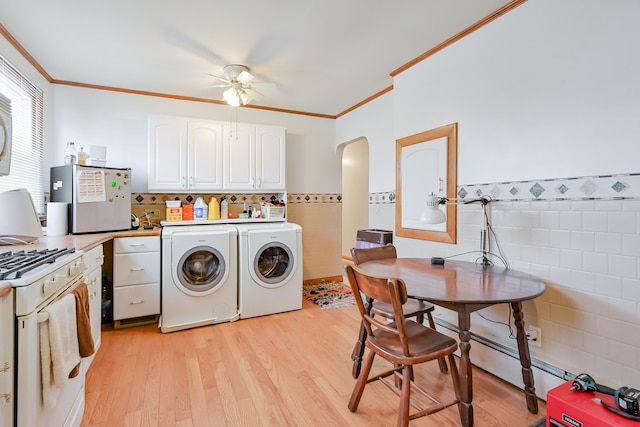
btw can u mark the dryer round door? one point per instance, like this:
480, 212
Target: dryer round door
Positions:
200, 271
273, 264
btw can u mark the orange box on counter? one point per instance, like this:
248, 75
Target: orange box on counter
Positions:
187, 212
174, 214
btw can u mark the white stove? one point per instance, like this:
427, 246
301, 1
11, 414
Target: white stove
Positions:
40, 278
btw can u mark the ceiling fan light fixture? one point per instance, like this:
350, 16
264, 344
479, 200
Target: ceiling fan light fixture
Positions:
245, 98
231, 96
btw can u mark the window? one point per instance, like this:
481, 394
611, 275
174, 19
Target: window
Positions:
26, 147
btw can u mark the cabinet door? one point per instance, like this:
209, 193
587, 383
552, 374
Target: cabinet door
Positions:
167, 154
205, 142
240, 157
7, 369
94, 286
270, 158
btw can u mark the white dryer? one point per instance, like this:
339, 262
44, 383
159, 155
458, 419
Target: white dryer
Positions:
270, 268
199, 276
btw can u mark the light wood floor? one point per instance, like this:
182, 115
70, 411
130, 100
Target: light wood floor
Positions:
289, 369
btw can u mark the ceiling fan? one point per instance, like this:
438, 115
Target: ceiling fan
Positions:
240, 83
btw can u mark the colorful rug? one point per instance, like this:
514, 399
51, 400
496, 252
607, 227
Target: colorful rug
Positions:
329, 295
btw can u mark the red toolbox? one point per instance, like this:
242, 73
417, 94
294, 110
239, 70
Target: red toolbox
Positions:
571, 408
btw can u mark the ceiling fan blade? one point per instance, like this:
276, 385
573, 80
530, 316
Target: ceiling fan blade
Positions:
219, 78
251, 90
264, 85
225, 85
245, 77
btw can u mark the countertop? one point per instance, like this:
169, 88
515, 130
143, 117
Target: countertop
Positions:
79, 241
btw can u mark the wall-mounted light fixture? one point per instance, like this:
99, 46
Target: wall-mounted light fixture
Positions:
433, 215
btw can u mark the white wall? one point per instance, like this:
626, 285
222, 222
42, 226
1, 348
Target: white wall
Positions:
119, 121
547, 91
374, 121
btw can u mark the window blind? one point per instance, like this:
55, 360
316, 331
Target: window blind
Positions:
27, 134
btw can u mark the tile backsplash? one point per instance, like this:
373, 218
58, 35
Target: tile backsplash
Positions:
582, 237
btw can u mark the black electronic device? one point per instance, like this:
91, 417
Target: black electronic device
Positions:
627, 399
437, 260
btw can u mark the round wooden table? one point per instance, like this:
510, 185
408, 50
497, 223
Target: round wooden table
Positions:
466, 287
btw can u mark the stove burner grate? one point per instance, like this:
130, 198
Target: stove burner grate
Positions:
14, 264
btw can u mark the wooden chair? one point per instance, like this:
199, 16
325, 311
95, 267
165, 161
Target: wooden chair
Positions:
403, 342
412, 308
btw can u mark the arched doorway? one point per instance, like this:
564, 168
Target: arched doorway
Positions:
355, 191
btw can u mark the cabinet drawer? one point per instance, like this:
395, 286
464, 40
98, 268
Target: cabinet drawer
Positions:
122, 245
135, 269
136, 301
93, 258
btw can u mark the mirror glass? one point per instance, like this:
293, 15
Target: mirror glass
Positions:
426, 163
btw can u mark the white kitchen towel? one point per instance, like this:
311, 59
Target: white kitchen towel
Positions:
49, 391
59, 351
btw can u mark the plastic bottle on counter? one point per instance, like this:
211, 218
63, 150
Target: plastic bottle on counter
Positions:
70, 154
224, 208
214, 209
200, 209
82, 156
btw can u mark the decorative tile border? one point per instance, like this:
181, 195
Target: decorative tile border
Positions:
382, 198
314, 198
150, 199
233, 198
623, 186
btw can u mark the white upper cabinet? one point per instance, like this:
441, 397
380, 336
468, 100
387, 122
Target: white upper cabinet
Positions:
204, 160
254, 158
184, 154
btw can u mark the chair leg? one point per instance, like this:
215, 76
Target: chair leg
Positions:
405, 395
358, 351
455, 378
441, 362
361, 383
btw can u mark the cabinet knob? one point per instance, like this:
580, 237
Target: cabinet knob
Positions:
140, 301
6, 397
5, 368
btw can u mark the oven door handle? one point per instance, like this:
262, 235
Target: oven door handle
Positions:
43, 316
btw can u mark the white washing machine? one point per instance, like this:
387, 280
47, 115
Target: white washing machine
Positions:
270, 268
199, 276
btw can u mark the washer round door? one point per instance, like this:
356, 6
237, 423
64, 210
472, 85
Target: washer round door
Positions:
273, 265
200, 271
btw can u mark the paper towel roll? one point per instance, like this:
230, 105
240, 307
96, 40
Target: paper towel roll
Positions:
56, 219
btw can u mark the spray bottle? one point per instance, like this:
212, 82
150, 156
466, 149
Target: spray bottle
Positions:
224, 208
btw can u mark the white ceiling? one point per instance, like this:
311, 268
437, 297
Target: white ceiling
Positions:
323, 56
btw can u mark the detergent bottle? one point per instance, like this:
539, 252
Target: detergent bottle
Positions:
224, 208
200, 209
214, 209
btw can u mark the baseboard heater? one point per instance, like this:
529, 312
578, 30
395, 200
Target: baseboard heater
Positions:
561, 374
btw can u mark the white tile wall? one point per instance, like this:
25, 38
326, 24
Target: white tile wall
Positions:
584, 245
588, 252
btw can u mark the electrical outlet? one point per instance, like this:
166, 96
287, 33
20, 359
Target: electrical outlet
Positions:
534, 335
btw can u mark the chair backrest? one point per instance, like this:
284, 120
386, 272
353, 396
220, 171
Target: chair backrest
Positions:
360, 255
390, 290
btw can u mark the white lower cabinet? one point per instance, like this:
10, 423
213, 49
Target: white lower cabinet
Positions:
94, 259
136, 277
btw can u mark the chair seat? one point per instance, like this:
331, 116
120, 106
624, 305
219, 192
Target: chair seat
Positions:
411, 308
424, 344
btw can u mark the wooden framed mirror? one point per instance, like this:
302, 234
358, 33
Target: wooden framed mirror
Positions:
426, 163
